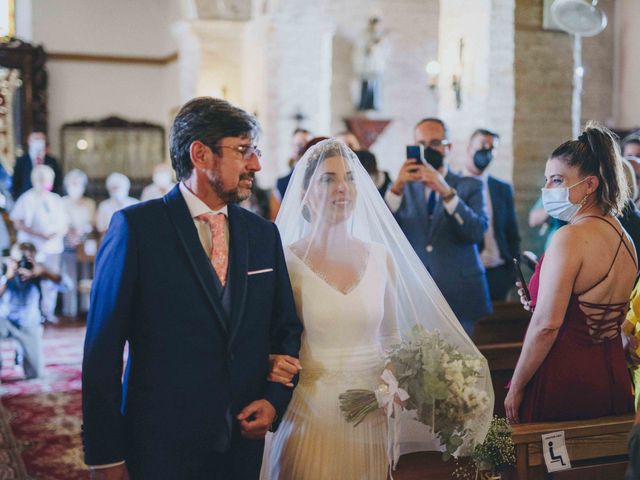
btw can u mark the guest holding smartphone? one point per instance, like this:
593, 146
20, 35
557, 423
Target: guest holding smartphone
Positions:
572, 364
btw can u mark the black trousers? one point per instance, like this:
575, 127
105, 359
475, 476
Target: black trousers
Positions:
241, 462
501, 279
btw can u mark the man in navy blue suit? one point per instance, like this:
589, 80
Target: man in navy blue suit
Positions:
444, 217
199, 289
37, 155
299, 139
501, 242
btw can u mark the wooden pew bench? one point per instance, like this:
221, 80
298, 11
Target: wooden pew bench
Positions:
508, 323
597, 449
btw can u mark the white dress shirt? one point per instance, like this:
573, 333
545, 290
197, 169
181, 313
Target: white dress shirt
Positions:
490, 255
43, 212
196, 208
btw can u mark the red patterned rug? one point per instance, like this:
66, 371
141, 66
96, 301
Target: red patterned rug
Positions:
40, 419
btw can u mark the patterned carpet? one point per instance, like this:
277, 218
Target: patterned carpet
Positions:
40, 419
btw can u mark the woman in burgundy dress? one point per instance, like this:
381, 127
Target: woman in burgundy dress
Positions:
572, 364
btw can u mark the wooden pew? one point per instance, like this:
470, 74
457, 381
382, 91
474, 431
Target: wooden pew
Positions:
508, 323
597, 449
502, 359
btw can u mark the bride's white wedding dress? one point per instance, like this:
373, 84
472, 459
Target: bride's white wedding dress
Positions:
345, 334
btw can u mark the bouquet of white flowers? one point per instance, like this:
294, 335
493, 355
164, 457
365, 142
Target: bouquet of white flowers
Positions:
433, 378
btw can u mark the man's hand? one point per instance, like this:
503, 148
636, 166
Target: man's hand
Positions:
119, 472
411, 171
433, 179
256, 419
283, 368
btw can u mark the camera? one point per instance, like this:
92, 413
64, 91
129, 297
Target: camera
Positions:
25, 263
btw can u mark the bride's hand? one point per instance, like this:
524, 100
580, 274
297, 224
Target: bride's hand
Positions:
283, 368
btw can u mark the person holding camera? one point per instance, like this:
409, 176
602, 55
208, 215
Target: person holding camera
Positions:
20, 292
444, 217
40, 218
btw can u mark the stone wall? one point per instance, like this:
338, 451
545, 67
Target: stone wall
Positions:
543, 89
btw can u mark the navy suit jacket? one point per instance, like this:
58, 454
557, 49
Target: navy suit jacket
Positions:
282, 183
22, 175
447, 244
505, 224
191, 368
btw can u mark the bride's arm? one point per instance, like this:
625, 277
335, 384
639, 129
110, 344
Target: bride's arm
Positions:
389, 332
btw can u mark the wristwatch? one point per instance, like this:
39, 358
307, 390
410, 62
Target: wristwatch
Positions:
452, 193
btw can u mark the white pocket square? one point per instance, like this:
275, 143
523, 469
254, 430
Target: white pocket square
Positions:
256, 272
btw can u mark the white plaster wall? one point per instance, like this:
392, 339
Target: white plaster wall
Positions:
412, 36
93, 90
299, 57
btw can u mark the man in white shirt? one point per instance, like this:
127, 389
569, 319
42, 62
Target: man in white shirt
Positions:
40, 218
501, 242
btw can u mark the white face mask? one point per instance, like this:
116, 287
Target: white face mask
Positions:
36, 148
75, 191
557, 204
119, 194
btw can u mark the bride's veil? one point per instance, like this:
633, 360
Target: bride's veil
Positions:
331, 216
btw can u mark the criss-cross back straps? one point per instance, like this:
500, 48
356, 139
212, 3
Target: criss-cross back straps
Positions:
620, 244
605, 319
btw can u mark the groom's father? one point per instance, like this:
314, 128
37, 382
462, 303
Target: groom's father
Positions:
199, 288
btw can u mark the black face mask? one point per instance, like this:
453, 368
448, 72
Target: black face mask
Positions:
433, 158
482, 158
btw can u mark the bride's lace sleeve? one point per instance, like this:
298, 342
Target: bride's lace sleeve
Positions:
389, 331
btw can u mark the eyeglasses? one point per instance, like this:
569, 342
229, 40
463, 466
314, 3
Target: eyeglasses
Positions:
247, 151
435, 143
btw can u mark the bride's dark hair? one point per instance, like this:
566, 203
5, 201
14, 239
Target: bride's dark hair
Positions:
321, 151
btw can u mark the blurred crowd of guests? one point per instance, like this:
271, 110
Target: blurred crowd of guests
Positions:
56, 226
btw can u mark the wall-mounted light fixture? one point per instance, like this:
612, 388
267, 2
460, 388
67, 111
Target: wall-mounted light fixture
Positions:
433, 69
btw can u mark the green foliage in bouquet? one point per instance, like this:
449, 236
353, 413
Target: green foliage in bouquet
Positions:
496, 452
441, 382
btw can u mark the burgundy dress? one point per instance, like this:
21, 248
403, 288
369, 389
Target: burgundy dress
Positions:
585, 374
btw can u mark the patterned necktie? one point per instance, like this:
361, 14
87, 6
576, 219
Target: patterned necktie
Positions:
219, 254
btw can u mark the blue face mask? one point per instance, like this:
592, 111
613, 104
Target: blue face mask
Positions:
557, 204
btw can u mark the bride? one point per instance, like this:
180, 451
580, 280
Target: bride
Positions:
358, 287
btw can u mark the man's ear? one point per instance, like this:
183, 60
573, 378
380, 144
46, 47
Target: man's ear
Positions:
448, 147
199, 154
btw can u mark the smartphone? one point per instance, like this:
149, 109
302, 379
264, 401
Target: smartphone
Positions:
415, 152
520, 278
